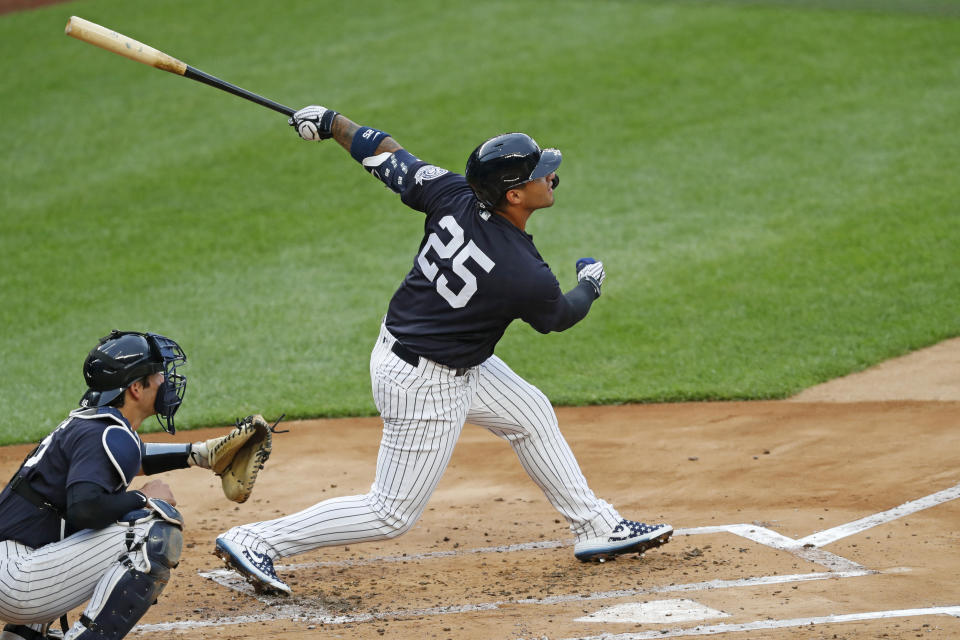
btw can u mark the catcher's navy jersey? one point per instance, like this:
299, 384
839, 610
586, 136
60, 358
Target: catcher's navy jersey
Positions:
92, 445
474, 274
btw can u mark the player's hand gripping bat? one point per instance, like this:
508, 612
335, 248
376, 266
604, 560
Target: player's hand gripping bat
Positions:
128, 47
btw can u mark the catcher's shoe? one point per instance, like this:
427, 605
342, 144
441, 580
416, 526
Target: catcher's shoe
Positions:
257, 568
626, 537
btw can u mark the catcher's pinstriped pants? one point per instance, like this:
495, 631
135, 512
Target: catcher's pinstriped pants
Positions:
424, 408
40, 585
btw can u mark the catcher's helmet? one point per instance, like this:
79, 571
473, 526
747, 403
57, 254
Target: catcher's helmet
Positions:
124, 357
507, 161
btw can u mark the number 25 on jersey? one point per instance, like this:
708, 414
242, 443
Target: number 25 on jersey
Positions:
460, 254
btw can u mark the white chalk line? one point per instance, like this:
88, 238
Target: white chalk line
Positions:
758, 625
308, 612
827, 536
804, 548
755, 533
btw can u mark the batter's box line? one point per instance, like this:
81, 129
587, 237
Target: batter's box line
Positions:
758, 534
806, 547
761, 625
308, 612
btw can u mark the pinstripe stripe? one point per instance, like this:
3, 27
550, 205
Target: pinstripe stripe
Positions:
515, 410
40, 585
424, 409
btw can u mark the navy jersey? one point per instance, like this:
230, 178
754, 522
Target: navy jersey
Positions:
91, 445
474, 274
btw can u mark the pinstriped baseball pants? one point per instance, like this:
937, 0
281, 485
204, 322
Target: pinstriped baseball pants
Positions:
424, 409
39, 585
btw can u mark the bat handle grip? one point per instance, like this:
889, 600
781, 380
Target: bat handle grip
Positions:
196, 74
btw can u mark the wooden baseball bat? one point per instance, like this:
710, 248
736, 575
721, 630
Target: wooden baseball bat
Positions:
129, 48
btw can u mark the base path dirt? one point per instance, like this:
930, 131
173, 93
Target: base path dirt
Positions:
929, 374
830, 515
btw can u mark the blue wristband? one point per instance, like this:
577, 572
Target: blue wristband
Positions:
365, 142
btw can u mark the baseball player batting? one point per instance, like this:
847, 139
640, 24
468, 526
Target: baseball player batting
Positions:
433, 366
71, 531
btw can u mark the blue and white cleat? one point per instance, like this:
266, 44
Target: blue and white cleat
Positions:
256, 568
626, 537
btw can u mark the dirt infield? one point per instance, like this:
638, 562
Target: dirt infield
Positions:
782, 509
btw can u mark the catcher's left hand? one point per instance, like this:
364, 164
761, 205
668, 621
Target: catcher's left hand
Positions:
238, 456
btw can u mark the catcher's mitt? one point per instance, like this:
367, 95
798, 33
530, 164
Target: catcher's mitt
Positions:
238, 456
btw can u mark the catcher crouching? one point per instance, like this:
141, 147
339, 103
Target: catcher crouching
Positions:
72, 530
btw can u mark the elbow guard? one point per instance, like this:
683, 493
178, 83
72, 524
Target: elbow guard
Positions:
390, 168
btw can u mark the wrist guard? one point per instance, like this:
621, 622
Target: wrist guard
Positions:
365, 142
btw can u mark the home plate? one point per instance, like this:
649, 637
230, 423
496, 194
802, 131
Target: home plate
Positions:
676, 610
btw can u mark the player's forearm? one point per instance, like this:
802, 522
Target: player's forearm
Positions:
159, 457
90, 507
580, 299
578, 303
344, 130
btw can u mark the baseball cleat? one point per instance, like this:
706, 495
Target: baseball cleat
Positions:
256, 568
626, 537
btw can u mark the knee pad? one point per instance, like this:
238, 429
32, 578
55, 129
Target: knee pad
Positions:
162, 548
135, 591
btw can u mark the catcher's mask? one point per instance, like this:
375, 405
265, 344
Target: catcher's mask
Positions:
507, 161
124, 357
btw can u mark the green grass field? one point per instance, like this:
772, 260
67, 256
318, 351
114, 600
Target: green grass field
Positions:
772, 188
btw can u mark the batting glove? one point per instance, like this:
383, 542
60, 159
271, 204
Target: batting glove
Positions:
313, 122
592, 271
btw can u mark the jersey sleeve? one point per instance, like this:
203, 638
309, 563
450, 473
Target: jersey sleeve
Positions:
429, 188
542, 304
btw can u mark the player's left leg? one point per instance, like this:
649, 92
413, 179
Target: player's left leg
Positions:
423, 408
515, 410
40, 585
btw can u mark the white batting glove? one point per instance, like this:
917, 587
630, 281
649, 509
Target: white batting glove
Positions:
593, 273
313, 122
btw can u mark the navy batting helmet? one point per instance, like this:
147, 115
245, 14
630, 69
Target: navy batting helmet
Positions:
124, 357
507, 161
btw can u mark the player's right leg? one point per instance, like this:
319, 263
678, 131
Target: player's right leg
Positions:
515, 410
423, 409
